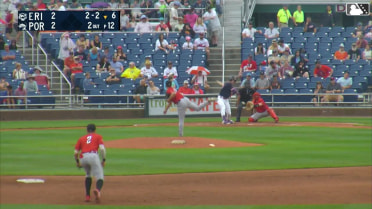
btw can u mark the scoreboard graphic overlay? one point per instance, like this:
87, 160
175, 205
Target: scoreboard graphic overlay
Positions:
69, 20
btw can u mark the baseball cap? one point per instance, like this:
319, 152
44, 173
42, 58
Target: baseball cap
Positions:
119, 47
263, 63
186, 81
250, 23
262, 73
272, 62
170, 62
176, 3
249, 74
188, 38
161, 18
342, 45
38, 68
332, 78
232, 78
143, 16
148, 62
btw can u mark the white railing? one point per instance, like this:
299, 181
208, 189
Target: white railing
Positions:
62, 78
39, 47
25, 44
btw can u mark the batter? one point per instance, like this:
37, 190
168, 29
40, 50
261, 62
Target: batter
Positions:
223, 100
182, 104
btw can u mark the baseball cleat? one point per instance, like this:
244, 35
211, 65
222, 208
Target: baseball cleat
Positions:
276, 120
230, 122
97, 193
87, 198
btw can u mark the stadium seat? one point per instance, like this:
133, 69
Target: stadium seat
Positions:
300, 39
350, 98
287, 84
301, 85
291, 91
277, 91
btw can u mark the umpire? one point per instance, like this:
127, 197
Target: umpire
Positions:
244, 95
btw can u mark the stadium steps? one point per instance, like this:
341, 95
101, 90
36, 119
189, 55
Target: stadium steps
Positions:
232, 18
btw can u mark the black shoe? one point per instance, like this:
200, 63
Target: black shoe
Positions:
237, 121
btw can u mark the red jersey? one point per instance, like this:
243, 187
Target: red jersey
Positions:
178, 96
324, 71
68, 61
262, 108
89, 143
76, 67
248, 66
184, 90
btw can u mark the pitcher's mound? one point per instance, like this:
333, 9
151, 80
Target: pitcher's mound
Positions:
166, 142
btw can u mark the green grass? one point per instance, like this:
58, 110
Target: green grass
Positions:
348, 206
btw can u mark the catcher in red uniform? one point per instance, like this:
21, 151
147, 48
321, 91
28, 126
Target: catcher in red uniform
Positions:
262, 110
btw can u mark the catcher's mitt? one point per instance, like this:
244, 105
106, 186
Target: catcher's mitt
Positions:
249, 105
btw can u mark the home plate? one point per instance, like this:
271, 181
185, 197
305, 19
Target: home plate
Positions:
31, 181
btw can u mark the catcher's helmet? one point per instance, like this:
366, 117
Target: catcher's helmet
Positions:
256, 95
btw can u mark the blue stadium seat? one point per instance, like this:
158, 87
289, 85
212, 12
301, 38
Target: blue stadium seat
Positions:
300, 39
48, 99
303, 80
334, 34
287, 84
363, 62
339, 40
316, 79
326, 40
350, 98
301, 85
321, 34
325, 29
291, 91
263, 91
286, 30
357, 86
297, 34
277, 91
349, 62
309, 35
306, 91
311, 85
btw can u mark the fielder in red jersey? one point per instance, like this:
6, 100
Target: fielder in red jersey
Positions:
86, 156
262, 110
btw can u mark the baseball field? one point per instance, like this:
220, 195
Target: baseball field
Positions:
298, 163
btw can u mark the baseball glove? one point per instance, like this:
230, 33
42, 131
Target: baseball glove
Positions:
249, 105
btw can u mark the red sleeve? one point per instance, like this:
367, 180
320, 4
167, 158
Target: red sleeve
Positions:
78, 145
316, 71
100, 140
244, 63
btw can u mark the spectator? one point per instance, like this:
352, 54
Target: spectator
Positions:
179, 26
87, 82
358, 31
361, 42
301, 70
285, 71
67, 64
66, 45
260, 49
329, 18
173, 16
132, 72
106, 52
9, 99
123, 4
103, 65
345, 81
219, 7
368, 27
298, 17
247, 66
191, 17
41, 78
185, 88
144, 26
274, 57
199, 6
249, 81
367, 53
41, 5
174, 81
60, 5
76, 67
30, 84
214, 25
187, 31
170, 70
3, 84
2, 43
96, 42
117, 66
75, 5
136, 12
188, 44
140, 91
81, 53
132, 24
162, 7
7, 54
147, 9
82, 41
202, 43
9, 24
113, 4
148, 71
201, 79
283, 17
333, 88
120, 55
162, 44
15, 20
285, 57
322, 70
273, 47
354, 52
319, 89
297, 58
112, 78
309, 26
124, 20
341, 54
162, 26
152, 89
274, 83
368, 34
21, 93
250, 31
13, 45
18, 72
199, 26
262, 82
196, 89
271, 70
271, 32
282, 47
93, 54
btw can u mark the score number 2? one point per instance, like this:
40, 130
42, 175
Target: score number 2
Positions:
53, 24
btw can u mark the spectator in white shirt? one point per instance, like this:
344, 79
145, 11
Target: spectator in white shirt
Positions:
144, 26
148, 71
170, 70
271, 32
250, 31
282, 47
202, 43
188, 44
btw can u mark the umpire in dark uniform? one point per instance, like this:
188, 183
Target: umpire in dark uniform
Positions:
244, 95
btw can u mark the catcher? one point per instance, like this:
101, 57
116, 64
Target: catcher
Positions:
244, 95
262, 110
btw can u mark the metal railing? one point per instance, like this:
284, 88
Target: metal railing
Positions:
25, 44
248, 9
62, 78
39, 47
